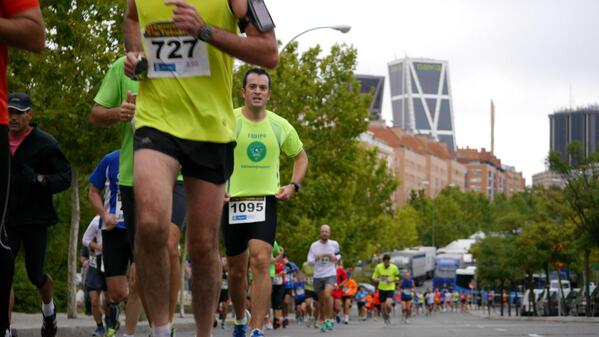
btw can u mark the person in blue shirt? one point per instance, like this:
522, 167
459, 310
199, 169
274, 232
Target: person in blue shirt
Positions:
290, 271
361, 300
299, 293
105, 198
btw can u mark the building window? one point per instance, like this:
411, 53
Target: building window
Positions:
475, 180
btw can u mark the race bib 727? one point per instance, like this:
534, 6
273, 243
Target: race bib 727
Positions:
171, 53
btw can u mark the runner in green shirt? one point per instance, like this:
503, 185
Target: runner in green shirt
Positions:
311, 296
249, 217
115, 105
386, 275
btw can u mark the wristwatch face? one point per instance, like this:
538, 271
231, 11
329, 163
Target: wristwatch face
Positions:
40, 178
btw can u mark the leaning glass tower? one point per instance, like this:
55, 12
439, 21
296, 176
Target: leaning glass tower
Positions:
421, 98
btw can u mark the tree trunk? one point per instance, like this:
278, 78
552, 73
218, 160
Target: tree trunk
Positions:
562, 302
73, 244
547, 283
501, 298
531, 295
587, 278
182, 285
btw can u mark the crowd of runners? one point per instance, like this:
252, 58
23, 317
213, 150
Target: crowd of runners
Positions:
188, 161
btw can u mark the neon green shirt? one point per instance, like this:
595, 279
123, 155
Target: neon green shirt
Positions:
187, 91
113, 92
387, 276
308, 271
257, 154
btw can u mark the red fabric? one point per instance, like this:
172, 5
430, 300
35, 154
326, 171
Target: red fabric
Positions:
341, 276
9, 8
15, 142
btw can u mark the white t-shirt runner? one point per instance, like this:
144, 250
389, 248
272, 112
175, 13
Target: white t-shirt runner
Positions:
324, 267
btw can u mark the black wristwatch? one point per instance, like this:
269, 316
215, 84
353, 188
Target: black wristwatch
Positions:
296, 186
205, 33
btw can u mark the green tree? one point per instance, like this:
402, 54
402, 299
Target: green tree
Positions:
495, 262
581, 192
83, 38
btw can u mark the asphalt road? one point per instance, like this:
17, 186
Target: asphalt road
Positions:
440, 325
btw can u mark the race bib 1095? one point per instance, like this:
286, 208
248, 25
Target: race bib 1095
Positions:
247, 210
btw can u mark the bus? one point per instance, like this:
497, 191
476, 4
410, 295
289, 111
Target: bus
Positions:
445, 271
465, 279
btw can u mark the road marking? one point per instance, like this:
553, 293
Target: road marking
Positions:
499, 329
481, 326
534, 335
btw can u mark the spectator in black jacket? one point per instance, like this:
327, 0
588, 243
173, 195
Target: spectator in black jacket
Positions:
39, 169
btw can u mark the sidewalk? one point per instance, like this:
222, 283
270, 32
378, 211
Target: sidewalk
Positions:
496, 315
29, 325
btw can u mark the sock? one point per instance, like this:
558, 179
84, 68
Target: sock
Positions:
346, 318
113, 315
48, 309
243, 321
161, 331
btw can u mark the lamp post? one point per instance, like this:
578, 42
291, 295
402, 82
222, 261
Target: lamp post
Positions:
341, 28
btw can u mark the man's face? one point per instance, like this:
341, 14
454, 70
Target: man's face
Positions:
257, 91
325, 231
386, 263
18, 121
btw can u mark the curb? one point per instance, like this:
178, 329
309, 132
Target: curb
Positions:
554, 319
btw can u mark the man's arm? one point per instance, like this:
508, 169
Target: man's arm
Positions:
132, 37
58, 178
95, 199
104, 117
256, 48
24, 30
300, 166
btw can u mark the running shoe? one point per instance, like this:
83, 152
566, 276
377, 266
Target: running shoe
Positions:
323, 327
49, 325
110, 332
285, 323
173, 331
100, 332
338, 319
257, 333
330, 325
240, 328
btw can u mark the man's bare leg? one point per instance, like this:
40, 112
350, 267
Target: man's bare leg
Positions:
134, 307
204, 208
154, 175
238, 283
260, 257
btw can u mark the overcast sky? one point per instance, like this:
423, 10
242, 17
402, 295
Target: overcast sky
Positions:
523, 54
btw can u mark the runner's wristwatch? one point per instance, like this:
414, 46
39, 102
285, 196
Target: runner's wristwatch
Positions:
205, 33
296, 186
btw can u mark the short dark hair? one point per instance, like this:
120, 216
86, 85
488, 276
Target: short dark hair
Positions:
257, 71
386, 257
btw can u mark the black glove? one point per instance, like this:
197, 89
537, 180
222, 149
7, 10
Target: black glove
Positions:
28, 175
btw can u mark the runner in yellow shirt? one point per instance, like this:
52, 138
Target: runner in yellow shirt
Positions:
386, 275
184, 118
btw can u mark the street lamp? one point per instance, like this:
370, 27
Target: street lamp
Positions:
341, 28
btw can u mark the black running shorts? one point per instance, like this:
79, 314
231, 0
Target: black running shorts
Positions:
212, 162
116, 252
237, 236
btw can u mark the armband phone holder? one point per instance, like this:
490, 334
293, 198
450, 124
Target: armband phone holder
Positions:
259, 16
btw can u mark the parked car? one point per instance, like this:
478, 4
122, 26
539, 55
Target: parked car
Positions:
580, 302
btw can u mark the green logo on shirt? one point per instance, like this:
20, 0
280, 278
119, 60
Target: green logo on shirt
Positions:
256, 151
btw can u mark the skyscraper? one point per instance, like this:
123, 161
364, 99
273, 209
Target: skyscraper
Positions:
374, 84
567, 126
421, 98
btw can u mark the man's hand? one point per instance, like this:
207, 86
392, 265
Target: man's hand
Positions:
127, 108
110, 221
186, 17
285, 193
131, 61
